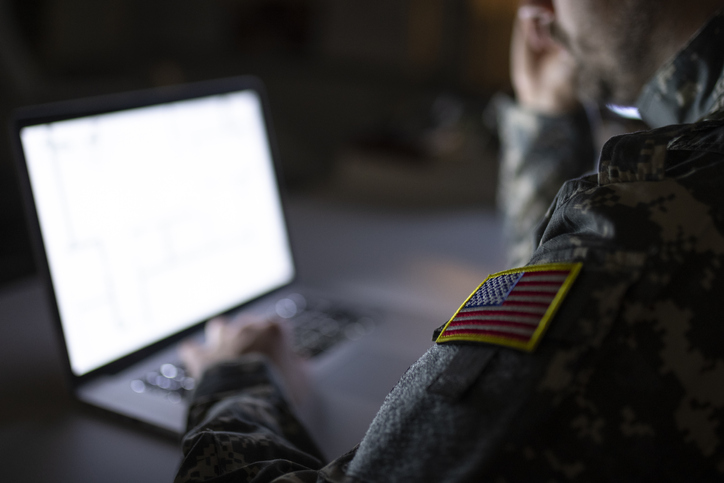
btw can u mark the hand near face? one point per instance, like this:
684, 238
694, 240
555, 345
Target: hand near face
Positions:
543, 72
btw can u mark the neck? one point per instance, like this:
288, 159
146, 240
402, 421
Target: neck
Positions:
680, 21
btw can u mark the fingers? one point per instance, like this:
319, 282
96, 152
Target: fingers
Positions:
536, 12
227, 340
214, 330
545, 6
543, 73
535, 24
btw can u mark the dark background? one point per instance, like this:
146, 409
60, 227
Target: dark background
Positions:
374, 101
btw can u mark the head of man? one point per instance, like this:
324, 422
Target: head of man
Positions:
617, 45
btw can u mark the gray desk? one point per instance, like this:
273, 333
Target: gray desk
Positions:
423, 261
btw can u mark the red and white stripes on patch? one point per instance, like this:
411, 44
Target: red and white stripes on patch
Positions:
518, 316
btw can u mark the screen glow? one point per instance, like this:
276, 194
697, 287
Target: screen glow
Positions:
155, 219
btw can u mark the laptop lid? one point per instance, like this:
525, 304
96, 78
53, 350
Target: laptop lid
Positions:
152, 212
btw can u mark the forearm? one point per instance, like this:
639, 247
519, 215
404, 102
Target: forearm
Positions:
538, 154
241, 427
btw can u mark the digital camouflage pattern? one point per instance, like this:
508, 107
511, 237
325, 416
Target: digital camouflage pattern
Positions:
672, 98
538, 154
626, 385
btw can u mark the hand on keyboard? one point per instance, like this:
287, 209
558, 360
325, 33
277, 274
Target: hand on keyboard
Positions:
226, 340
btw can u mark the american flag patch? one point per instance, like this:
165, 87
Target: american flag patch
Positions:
512, 308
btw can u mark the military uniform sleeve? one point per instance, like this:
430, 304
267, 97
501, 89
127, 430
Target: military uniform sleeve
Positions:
241, 428
538, 154
627, 381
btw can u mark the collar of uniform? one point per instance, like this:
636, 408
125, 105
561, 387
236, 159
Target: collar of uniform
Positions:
689, 87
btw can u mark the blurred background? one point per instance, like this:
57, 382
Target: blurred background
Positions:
380, 102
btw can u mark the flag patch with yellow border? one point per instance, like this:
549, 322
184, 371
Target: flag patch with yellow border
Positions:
512, 308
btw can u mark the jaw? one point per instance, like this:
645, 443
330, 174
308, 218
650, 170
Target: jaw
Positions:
613, 60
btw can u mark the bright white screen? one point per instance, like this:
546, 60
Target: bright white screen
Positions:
154, 219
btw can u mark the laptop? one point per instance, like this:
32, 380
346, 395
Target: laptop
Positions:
152, 212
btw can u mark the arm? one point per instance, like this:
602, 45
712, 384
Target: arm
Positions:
545, 136
241, 426
538, 154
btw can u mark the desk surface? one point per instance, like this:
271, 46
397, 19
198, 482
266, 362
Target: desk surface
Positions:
429, 260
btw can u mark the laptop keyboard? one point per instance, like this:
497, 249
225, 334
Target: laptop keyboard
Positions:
317, 326
170, 381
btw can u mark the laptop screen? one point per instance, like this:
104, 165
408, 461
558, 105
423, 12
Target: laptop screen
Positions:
156, 218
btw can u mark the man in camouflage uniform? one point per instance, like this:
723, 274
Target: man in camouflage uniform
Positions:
627, 382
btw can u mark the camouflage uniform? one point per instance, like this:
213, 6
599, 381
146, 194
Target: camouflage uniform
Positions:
539, 153
626, 385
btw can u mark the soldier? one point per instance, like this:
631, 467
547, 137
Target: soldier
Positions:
600, 359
